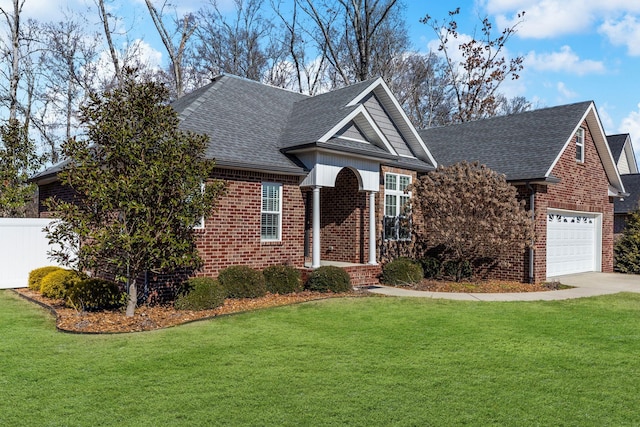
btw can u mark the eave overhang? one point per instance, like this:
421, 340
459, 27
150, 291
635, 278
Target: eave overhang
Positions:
333, 148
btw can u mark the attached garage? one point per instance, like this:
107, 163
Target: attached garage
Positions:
574, 242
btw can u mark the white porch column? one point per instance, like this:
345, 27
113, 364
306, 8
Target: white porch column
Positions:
315, 251
372, 228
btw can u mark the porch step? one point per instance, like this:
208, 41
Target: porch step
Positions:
360, 274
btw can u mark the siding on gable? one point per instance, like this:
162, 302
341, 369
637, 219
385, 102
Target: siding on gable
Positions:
386, 125
351, 131
623, 164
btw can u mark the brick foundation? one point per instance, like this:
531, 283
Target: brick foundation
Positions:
360, 275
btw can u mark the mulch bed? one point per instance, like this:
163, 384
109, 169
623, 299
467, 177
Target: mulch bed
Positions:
149, 318
494, 287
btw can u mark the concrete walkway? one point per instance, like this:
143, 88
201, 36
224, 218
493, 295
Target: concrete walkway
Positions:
586, 285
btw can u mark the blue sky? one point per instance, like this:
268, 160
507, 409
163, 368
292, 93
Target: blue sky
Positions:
574, 50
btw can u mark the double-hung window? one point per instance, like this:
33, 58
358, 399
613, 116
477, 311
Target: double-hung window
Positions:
271, 212
397, 222
580, 145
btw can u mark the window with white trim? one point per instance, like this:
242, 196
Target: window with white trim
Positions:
271, 212
397, 205
200, 223
580, 145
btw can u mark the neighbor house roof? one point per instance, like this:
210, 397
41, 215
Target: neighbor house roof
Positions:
616, 143
524, 146
632, 201
622, 151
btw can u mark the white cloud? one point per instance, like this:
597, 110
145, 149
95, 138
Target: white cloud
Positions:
554, 18
46, 10
605, 117
631, 125
145, 54
625, 32
566, 60
565, 93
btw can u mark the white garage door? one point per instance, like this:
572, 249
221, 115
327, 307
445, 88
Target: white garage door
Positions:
23, 247
573, 242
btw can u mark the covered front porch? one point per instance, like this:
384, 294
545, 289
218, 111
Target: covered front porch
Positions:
340, 215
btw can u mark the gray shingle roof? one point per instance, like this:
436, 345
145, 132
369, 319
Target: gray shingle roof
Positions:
314, 116
254, 125
631, 184
521, 146
49, 172
244, 123
616, 144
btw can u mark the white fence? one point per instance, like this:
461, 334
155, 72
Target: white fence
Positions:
23, 247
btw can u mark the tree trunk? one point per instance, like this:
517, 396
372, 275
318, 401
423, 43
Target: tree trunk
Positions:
133, 298
104, 17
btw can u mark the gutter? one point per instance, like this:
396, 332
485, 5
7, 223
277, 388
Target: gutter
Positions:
532, 203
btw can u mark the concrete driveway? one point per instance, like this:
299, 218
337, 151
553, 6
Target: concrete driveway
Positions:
585, 285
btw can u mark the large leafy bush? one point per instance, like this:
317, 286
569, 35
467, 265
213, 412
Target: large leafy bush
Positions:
471, 214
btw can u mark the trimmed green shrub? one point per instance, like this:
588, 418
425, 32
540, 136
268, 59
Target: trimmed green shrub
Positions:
282, 279
241, 281
58, 282
95, 294
431, 267
329, 278
402, 271
36, 276
201, 293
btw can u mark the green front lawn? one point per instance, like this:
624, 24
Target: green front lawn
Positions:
355, 361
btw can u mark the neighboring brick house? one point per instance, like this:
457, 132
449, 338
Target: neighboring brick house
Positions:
559, 160
625, 158
304, 171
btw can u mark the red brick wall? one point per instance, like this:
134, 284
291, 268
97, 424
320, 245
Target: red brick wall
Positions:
344, 220
232, 233
55, 189
583, 187
515, 265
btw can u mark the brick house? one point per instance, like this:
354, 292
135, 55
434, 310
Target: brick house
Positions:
322, 179
559, 160
311, 180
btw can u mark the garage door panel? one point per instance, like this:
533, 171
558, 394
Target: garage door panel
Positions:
571, 243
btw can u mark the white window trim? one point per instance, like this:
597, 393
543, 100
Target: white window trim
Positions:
200, 225
279, 212
399, 194
580, 138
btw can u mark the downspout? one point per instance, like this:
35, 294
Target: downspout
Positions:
532, 203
